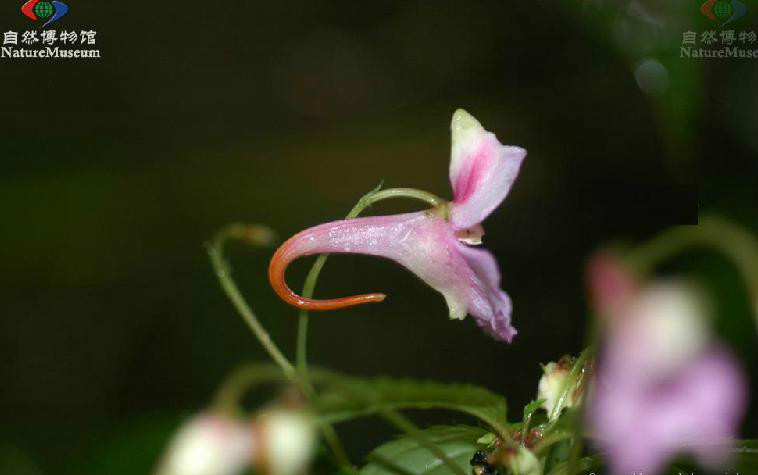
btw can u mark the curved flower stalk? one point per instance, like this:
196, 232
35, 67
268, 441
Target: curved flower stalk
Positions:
662, 386
433, 244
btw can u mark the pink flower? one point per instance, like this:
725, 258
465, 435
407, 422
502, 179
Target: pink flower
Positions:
663, 386
432, 244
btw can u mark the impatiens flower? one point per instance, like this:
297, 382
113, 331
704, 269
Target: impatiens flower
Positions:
662, 385
432, 244
209, 444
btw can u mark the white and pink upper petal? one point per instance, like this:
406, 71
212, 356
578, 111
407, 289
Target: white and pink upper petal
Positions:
482, 170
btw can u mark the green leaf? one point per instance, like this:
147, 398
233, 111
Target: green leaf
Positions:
487, 439
404, 456
348, 398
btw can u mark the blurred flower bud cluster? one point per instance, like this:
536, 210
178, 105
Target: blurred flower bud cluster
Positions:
274, 442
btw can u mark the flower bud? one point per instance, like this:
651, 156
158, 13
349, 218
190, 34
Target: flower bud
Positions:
208, 444
287, 442
552, 383
523, 462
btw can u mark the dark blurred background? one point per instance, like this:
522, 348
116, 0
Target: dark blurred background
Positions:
113, 172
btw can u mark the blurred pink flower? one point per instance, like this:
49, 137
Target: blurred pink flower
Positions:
432, 244
663, 385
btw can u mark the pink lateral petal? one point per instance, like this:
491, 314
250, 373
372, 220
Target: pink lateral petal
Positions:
490, 306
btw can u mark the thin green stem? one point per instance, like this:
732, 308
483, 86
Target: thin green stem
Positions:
378, 195
231, 391
330, 435
223, 272
302, 322
734, 242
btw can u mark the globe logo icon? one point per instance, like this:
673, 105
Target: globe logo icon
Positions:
44, 10
722, 9
726, 11
50, 10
